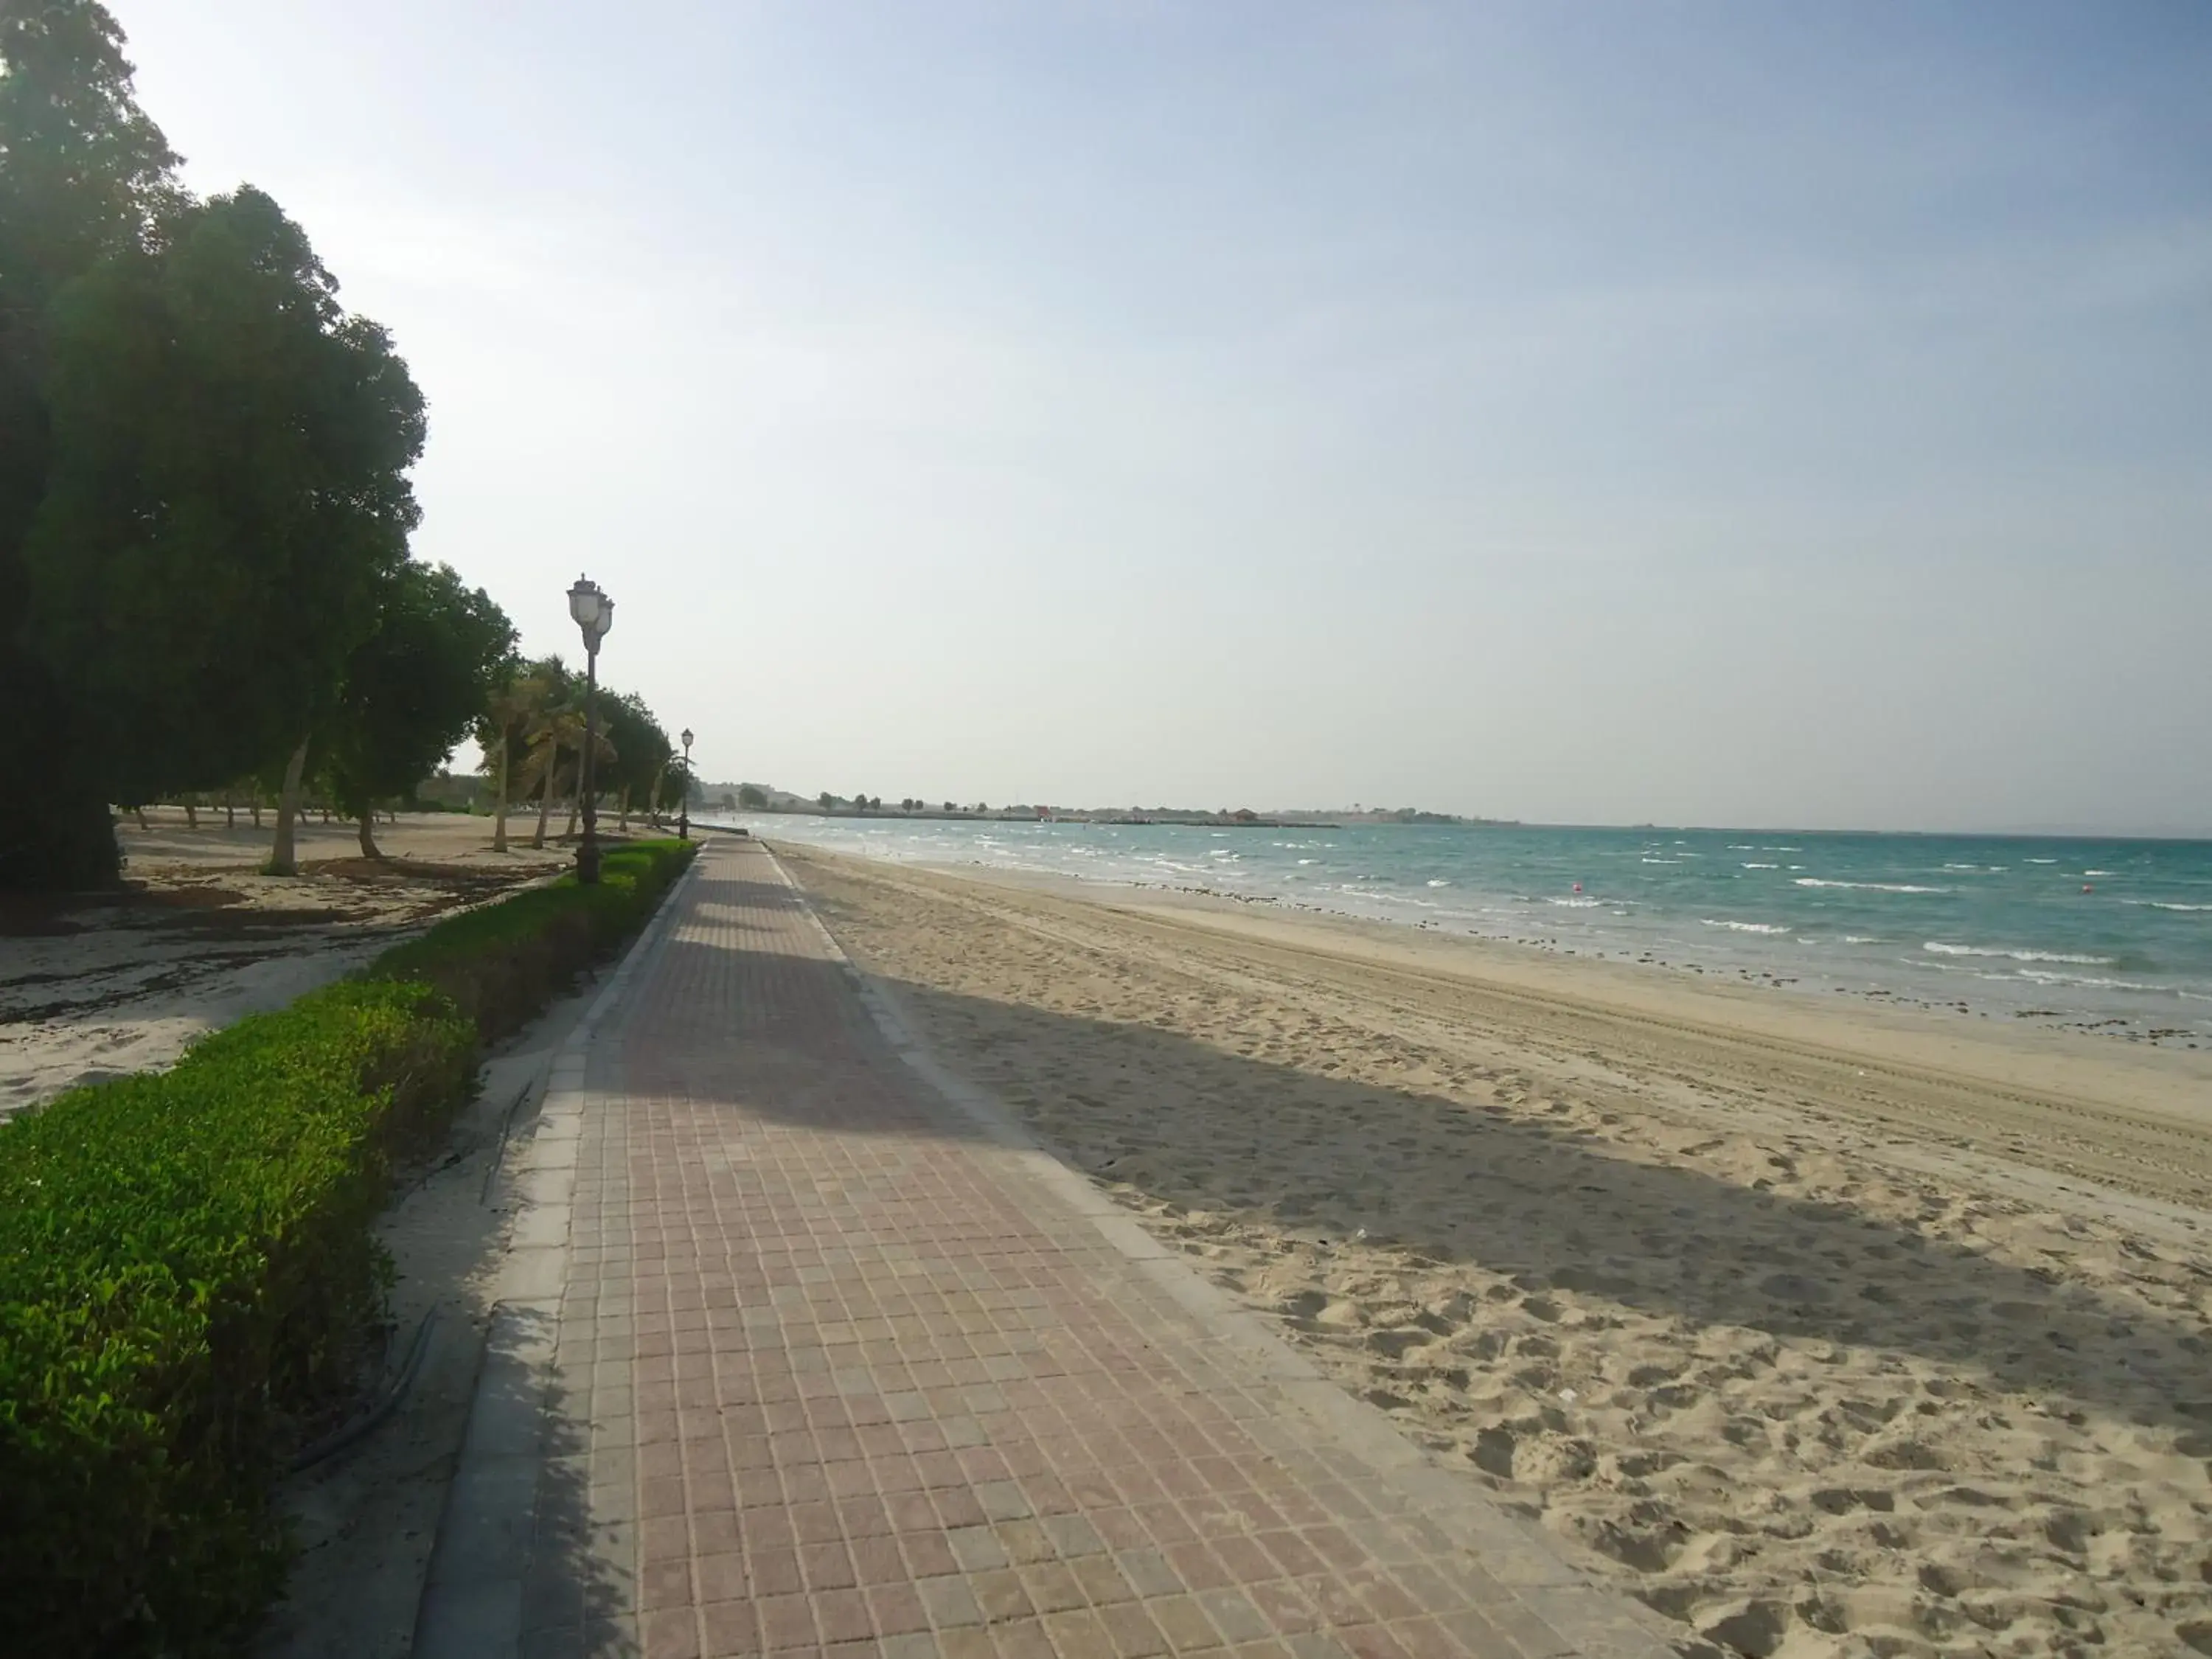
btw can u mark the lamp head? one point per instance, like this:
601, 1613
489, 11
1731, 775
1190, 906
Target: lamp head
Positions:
687, 739
587, 605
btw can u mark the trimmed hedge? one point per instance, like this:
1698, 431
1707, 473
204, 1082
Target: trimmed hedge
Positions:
502, 964
189, 1274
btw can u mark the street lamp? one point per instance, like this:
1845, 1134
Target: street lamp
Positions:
683, 814
594, 613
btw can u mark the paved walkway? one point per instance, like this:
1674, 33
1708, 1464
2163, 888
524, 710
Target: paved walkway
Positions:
802, 1349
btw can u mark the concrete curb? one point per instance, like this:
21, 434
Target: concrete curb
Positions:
472, 1596
1569, 1614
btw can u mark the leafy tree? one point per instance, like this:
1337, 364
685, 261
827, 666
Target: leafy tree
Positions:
83, 176
823, 800
413, 690
752, 798
226, 499
950, 807
642, 751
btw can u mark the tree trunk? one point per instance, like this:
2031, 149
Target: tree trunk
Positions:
281, 859
576, 808
230, 809
368, 848
139, 813
623, 822
192, 814
499, 804
254, 806
653, 797
545, 797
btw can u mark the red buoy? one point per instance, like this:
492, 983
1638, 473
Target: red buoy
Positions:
1579, 887
2086, 888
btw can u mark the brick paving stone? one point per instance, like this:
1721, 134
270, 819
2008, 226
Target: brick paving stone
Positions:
841, 1371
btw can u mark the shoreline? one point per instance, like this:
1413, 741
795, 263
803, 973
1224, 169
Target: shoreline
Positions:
1821, 961
1939, 1023
2072, 1070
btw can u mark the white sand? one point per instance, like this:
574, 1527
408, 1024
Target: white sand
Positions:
1827, 1333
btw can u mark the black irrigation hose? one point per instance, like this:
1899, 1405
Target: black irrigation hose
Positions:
499, 1147
340, 1439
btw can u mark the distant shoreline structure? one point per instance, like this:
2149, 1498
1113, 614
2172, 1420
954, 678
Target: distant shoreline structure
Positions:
759, 797
724, 798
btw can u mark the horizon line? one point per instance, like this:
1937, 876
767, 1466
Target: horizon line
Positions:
1473, 820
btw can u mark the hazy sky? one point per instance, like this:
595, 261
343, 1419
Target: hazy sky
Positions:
1738, 414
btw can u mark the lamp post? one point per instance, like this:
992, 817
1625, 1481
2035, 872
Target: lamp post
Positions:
594, 613
683, 814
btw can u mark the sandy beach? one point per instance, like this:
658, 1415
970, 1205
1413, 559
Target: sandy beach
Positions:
95, 985
1827, 1331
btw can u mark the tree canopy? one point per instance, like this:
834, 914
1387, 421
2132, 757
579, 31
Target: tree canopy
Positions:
641, 749
83, 175
226, 503
413, 688
205, 502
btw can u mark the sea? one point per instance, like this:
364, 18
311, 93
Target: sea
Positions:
2110, 936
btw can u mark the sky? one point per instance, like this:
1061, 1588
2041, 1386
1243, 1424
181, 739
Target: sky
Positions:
1725, 414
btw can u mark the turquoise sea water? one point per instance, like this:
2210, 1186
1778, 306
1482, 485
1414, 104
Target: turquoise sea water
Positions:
2111, 935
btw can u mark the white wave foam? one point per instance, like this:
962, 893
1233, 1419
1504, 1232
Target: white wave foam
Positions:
1870, 886
1942, 950
1438, 881
2101, 873
1576, 903
1762, 867
2043, 860
1746, 926
1860, 938
1662, 861
2046, 977
2161, 904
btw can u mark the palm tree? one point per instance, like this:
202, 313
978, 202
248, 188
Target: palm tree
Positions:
554, 729
505, 721
554, 761
603, 756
